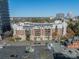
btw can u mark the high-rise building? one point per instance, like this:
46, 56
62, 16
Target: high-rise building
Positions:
4, 16
69, 15
60, 16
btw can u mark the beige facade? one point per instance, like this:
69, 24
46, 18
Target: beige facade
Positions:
40, 31
21, 34
41, 34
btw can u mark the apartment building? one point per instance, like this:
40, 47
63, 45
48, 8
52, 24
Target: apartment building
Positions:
40, 31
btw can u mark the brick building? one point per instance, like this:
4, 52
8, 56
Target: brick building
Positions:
74, 45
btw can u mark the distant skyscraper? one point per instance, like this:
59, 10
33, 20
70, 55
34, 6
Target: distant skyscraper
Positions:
69, 15
4, 16
60, 15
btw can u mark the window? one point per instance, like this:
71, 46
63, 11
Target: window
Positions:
20, 32
47, 32
37, 32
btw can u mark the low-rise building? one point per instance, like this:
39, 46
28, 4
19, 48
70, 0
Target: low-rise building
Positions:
39, 31
74, 45
18, 31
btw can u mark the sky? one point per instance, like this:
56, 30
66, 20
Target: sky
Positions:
42, 8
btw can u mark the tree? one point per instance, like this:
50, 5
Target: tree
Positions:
74, 26
77, 28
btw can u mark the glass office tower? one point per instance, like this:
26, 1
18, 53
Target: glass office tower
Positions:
4, 17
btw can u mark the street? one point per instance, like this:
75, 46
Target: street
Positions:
19, 52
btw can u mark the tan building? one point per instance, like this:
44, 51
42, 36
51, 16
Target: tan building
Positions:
19, 32
39, 31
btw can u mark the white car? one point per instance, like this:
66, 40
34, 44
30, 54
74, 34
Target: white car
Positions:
1, 46
30, 49
50, 45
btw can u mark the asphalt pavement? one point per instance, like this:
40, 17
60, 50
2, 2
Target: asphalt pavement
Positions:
19, 52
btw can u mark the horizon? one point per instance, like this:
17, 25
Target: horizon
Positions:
42, 8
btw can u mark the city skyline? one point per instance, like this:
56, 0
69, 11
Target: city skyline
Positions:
42, 8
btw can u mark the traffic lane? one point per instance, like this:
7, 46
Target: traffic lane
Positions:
19, 52
42, 52
8, 51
